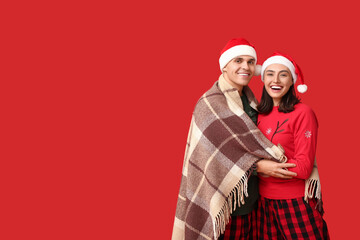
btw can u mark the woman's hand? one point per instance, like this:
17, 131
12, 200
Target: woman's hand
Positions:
268, 168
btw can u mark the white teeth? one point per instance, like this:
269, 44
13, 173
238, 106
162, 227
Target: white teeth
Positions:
243, 74
276, 87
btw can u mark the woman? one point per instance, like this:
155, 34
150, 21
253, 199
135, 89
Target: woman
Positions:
286, 207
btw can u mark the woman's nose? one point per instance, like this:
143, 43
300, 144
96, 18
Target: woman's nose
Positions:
276, 79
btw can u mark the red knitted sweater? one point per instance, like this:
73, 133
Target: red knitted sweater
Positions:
297, 133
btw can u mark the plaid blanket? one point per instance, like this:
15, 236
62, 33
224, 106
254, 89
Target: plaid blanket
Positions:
223, 144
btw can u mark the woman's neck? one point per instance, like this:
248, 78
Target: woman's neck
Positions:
276, 102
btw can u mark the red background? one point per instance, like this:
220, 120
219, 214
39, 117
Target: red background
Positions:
97, 96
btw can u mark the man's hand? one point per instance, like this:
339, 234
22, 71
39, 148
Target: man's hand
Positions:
268, 168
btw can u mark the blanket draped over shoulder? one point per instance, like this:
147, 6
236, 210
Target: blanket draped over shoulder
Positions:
223, 144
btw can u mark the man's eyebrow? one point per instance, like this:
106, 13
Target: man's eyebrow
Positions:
250, 59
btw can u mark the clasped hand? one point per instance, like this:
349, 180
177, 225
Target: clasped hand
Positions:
268, 168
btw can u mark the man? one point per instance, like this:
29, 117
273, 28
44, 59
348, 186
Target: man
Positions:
218, 183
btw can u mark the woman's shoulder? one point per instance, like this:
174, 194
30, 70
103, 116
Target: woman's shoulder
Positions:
302, 109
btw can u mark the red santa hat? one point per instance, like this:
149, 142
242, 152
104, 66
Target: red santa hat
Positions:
288, 62
237, 47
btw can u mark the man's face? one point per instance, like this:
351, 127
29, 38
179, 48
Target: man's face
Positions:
239, 71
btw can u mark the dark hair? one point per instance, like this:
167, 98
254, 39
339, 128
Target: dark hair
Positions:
287, 103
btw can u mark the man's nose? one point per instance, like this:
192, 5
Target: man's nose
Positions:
245, 65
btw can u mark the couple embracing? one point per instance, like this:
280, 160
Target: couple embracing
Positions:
249, 170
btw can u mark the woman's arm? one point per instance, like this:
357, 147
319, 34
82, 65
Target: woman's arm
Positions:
305, 137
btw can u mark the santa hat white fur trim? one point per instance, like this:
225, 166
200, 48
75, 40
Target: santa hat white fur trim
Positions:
236, 51
280, 60
302, 88
257, 70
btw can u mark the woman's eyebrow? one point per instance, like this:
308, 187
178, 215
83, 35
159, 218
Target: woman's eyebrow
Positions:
279, 72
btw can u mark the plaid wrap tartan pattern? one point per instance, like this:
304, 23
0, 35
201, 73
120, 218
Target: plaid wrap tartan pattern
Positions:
223, 143
290, 219
241, 227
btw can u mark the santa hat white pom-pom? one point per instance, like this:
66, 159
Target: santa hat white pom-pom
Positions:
257, 70
302, 88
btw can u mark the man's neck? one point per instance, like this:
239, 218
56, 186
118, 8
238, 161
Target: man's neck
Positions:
238, 87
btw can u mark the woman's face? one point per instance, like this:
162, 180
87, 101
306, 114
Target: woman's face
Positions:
277, 81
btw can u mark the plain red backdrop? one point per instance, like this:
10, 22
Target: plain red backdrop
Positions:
97, 96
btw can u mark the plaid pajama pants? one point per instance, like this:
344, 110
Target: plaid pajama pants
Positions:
241, 227
290, 219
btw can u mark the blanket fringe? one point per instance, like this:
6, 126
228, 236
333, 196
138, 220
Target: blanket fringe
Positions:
235, 198
310, 186
313, 189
